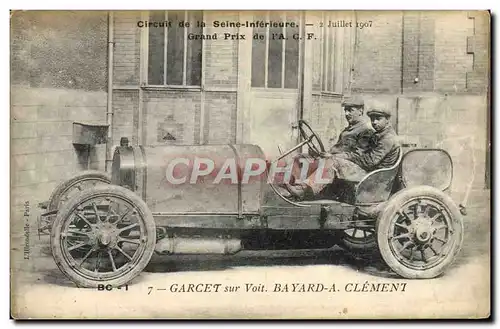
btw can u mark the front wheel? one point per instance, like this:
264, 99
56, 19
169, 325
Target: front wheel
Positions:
420, 232
104, 235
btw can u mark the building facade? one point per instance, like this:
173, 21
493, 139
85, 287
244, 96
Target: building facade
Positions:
167, 87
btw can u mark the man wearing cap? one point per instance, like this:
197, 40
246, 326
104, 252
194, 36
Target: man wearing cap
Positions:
358, 132
384, 146
382, 152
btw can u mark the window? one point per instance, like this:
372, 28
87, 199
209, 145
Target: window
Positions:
275, 58
172, 58
332, 77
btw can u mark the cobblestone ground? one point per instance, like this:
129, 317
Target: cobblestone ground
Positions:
41, 290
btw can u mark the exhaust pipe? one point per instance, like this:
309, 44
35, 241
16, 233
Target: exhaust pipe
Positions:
181, 245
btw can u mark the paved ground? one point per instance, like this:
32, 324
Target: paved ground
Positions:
41, 290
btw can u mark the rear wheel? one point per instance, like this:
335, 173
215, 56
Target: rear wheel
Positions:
82, 181
104, 235
65, 190
420, 232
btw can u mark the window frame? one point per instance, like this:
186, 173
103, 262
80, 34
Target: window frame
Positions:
283, 54
145, 56
337, 78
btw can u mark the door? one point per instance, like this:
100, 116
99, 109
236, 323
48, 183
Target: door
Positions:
273, 117
274, 84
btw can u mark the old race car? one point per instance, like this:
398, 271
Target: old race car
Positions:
220, 199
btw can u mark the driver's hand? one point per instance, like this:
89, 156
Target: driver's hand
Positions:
325, 155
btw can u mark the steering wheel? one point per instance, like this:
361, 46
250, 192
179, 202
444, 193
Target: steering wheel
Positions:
316, 148
313, 141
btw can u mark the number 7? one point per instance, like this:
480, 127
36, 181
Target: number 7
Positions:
150, 289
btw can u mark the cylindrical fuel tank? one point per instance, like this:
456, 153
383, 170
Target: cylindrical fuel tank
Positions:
193, 178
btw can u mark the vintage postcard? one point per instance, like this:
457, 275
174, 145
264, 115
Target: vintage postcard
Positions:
172, 164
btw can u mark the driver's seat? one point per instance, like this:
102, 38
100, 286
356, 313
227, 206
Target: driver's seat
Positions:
377, 185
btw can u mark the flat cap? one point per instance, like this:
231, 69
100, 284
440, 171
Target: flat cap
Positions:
379, 111
354, 101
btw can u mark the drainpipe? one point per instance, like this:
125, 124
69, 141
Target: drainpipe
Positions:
302, 64
300, 114
109, 110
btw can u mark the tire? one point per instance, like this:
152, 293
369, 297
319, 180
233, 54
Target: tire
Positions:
138, 261
62, 192
63, 188
421, 233
365, 247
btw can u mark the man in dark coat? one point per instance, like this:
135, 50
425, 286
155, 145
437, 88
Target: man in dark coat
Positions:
384, 147
358, 132
353, 164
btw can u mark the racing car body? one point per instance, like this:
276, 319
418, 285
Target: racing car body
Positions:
223, 199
